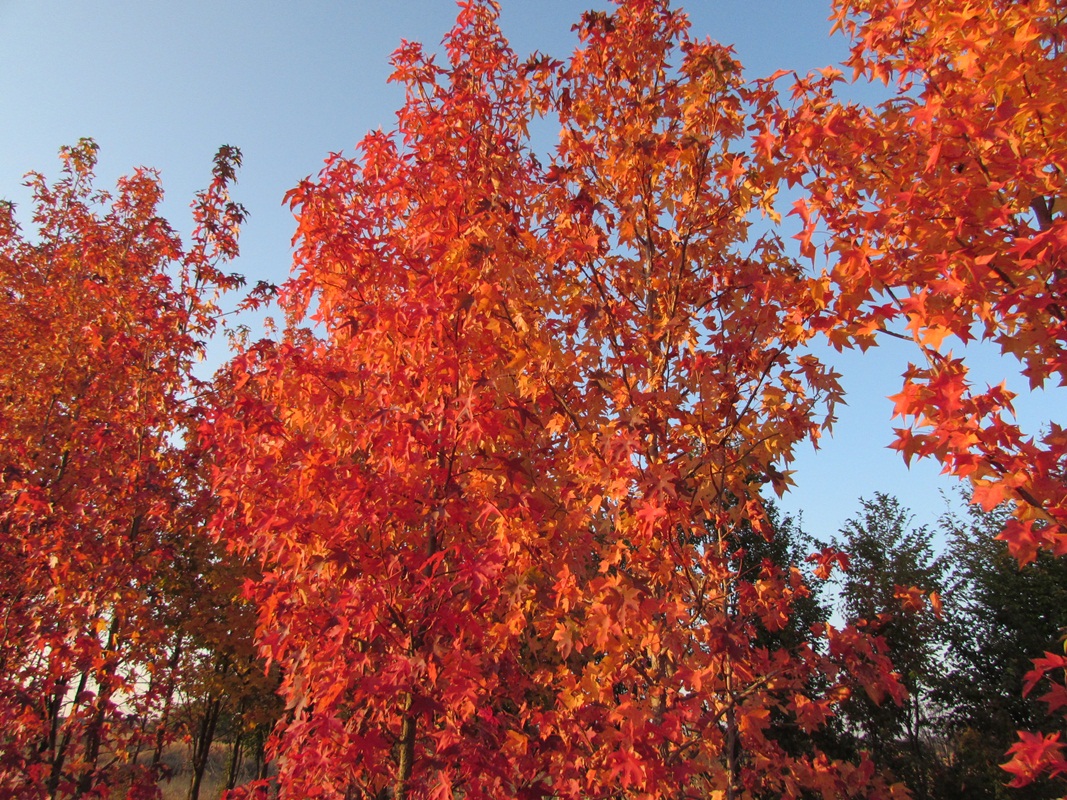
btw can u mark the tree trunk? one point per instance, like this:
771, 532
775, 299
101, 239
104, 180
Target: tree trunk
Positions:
235, 760
54, 744
202, 745
731, 752
406, 756
94, 737
168, 701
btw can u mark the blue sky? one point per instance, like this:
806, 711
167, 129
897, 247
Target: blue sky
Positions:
163, 84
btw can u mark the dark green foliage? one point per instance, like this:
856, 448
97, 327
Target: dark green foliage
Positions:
888, 556
998, 617
786, 550
964, 671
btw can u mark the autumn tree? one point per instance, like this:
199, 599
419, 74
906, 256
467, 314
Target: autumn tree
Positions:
220, 688
104, 315
497, 487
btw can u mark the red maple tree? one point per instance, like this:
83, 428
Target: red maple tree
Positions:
104, 315
497, 488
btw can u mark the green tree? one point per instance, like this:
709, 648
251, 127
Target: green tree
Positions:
892, 570
998, 616
782, 551
783, 548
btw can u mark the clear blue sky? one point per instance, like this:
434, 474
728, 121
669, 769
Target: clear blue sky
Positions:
163, 84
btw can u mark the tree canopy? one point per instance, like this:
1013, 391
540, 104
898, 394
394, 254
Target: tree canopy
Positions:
498, 493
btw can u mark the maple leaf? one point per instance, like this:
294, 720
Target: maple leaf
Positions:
626, 769
1042, 666
1034, 754
826, 560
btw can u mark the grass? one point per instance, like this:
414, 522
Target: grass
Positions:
178, 759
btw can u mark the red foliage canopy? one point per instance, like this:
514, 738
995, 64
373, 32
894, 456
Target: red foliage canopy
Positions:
498, 491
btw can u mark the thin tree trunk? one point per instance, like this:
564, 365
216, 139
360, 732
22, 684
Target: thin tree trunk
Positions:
731, 751
106, 688
406, 756
235, 760
202, 745
168, 701
405, 762
57, 745
914, 725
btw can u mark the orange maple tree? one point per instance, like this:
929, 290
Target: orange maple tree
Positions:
498, 486
943, 211
104, 315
